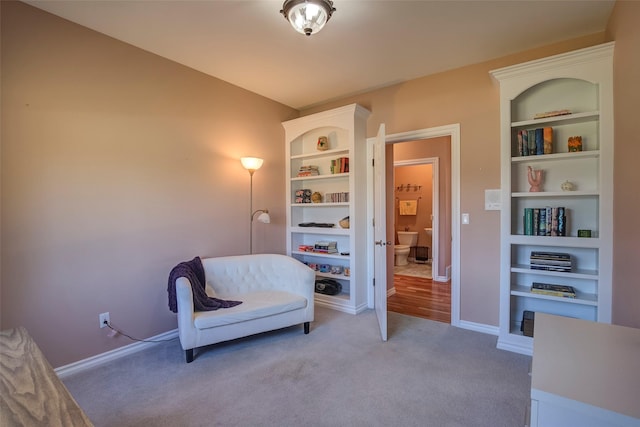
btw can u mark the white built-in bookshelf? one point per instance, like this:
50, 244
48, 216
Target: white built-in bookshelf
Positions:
345, 130
580, 83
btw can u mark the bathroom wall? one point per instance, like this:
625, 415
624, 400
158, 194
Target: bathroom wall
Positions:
441, 149
420, 182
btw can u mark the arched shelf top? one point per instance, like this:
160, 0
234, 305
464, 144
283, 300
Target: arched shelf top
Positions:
318, 130
560, 94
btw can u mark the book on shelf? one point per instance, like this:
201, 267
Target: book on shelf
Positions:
327, 247
342, 197
340, 165
528, 221
542, 224
551, 261
547, 221
525, 142
563, 291
551, 114
546, 267
535, 142
539, 141
547, 134
562, 222
550, 255
309, 170
532, 142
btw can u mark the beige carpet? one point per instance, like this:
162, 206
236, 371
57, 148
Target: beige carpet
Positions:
428, 374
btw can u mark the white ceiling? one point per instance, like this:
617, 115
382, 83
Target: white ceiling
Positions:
366, 44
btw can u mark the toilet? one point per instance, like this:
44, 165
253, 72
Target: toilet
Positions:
406, 239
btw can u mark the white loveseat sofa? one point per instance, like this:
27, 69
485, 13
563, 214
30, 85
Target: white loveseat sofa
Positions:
276, 291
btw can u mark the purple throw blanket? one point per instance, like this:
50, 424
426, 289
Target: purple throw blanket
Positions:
194, 272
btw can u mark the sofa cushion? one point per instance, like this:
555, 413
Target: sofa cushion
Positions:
254, 305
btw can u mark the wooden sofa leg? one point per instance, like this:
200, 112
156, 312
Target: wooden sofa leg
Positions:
189, 355
306, 328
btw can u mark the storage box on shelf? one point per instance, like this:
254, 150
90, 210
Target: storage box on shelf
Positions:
323, 151
575, 188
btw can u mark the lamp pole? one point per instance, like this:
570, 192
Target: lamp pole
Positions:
251, 171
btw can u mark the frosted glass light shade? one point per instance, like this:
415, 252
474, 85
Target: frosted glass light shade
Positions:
307, 16
251, 163
264, 218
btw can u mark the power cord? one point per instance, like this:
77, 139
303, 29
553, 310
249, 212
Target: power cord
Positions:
118, 331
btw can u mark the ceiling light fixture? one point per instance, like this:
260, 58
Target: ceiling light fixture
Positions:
307, 16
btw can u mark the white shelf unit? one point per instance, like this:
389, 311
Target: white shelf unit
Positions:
345, 129
580, 81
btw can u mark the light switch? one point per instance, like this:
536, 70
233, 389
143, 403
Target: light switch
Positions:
465, 218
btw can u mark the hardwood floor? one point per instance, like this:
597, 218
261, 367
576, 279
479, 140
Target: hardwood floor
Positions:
416, 296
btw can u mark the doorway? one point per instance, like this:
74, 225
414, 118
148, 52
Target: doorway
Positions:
420, 286
452, 269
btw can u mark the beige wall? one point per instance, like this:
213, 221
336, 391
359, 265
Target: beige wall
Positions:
470, 97
623, 28
116, 165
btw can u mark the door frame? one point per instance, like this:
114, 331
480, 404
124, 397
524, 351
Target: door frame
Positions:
453, 132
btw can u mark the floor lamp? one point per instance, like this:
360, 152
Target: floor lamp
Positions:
252, 164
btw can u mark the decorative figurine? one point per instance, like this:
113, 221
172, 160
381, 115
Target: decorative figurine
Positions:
535, 179
316, 197
568, 186
574, 143
323, 143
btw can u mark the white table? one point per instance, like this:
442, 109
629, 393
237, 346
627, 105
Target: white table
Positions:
584, 374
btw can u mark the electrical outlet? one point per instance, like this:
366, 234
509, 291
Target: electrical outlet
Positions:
104, 317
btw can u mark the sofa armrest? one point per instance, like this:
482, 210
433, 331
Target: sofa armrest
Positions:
186, 328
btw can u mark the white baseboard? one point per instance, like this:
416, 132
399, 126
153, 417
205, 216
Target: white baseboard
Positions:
479, 327
100, 359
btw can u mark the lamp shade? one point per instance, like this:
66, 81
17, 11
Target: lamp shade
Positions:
251, 163
307, 16
264, 217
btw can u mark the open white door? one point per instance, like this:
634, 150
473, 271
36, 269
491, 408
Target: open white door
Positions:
380, 232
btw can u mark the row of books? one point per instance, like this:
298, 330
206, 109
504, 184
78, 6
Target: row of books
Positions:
309, 170
550, 261
340, 165
342, 197
547, 221
563, 291
532, 142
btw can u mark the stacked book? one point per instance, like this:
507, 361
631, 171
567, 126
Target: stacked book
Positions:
545, 221
553, 290
550, 261
340, 165
309, 170
326, 247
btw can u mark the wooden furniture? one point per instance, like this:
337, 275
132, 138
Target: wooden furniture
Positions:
326, 139
580, 82
584, 374
31, 394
